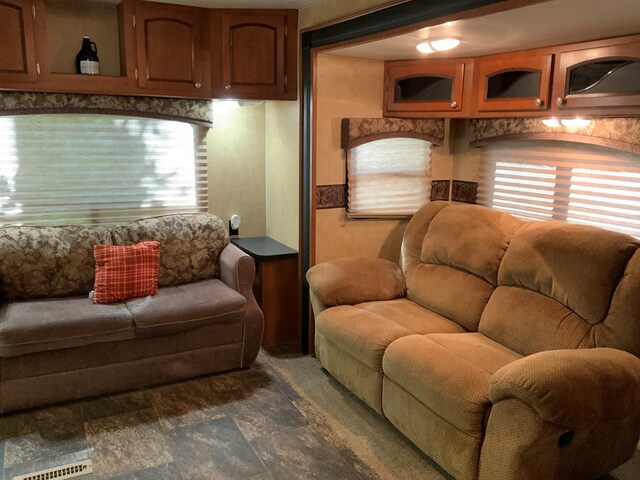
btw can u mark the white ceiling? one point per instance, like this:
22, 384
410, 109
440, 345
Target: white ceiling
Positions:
551, 23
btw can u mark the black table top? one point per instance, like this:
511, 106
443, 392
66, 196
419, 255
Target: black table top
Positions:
263, 248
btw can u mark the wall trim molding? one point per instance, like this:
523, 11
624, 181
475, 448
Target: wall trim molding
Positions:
331, 196
197, 112
464, 192
440, 190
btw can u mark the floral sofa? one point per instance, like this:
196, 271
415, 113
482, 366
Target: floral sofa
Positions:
503, 349
56, 344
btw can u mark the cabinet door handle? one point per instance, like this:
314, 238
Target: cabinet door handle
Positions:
197, 85
559, 101
454, 104
135, 72
539, 102
227, 87
38, 68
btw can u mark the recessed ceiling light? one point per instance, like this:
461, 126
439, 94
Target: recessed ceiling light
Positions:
424, 47
442, 44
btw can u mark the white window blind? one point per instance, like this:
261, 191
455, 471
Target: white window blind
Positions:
564, 181
389, 177
89, 169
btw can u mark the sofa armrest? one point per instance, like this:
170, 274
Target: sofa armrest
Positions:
573, 388
352, 280
237, 270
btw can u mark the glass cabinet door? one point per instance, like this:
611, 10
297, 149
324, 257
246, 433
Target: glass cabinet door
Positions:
424, 86
513, 82
600, 77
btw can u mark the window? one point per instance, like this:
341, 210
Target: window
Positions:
89, 169
389, 177
564, 181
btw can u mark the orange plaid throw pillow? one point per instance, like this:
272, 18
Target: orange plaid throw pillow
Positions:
124, 272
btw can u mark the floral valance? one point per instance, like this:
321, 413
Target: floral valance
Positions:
191, 111
357, 131
619, 133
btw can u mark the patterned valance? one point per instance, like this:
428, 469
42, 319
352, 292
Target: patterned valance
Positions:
191, 111
619, 133
357, 131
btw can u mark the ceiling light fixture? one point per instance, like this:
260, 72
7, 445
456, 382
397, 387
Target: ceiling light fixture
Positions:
575, 122
438, 45
551, 122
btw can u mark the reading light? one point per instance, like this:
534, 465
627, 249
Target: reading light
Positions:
438, 45
552, 122
575, 122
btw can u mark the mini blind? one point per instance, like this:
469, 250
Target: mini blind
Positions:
98, 169
564, 181
389, 177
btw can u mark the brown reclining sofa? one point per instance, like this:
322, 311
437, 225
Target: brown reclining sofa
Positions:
503, 349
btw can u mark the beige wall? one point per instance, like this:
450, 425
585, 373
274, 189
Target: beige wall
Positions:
467, 159
236, 149
326, 10
68, 21
282, 172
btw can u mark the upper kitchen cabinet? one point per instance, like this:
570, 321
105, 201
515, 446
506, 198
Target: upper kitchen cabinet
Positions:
424, 86
254, 54
172, 49
18, 61
603, 75
513, 82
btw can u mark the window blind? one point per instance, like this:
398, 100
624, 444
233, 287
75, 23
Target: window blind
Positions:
389, 177
564, 181
98, 169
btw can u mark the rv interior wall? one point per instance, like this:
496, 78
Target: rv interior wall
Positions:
350, 87
327, 10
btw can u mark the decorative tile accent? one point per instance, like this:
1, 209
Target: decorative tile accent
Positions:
331, 196
619, 133
356, 131
191, 111
466, 192
440, 190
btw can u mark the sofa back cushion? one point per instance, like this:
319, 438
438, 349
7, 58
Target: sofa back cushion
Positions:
44, 262
451, 256
190, 244
557, 286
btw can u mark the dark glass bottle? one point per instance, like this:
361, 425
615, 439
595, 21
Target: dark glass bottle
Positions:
87, 59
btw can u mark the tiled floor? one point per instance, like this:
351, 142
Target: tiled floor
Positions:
238, 425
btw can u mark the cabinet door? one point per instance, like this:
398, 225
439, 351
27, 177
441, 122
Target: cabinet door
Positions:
424, 86
17, 41
253, 54
172, 49
513, 83
599, 77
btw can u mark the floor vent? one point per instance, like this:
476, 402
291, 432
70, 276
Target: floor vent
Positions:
60, 473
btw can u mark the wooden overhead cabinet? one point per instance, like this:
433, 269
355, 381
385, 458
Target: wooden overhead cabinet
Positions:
18, 62
424, 86
256, 54
603, 74
172, 49
513, 82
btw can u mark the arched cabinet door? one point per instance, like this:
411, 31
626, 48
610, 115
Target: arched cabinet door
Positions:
172, 49
17, 41
424, 86
608, 76
513, 82
253, 55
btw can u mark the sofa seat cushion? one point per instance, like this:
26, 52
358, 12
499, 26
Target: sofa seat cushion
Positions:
193, 305
449, 374
365, 330
57, 323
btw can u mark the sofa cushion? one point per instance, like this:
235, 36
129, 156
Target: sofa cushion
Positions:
190, 245
47, 262
176, 309
448, 373
365, 330
58, 323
